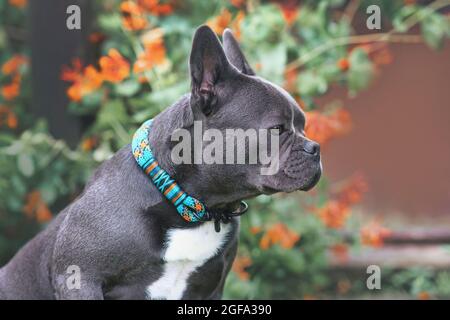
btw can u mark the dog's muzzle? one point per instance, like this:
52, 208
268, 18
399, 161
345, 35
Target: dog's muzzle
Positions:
304, 160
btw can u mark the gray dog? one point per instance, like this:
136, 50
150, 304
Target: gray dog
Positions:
121, 239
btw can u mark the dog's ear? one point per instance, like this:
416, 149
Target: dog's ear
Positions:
234, 53
208, 65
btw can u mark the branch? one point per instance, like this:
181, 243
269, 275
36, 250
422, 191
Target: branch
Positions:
390, 36
351, 9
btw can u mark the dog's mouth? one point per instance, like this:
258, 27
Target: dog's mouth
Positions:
289, 186
304, 169
313, 180
269, 190
298, 175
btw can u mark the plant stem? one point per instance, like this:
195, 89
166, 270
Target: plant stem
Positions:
390, 36
351, 9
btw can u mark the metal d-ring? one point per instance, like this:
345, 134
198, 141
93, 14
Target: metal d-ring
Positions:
243, 207
225, 217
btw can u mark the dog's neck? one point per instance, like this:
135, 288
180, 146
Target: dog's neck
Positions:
177, 116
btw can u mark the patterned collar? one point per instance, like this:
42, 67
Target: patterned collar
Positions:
189, 208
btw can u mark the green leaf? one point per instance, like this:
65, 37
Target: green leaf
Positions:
88, 105
93, 99
128, 88
164, 97
112, 112
310, 83
263, 26
25, 164
49, 192
2, 38
273, 61
18, 185
434, 29
399, 19
110, 22
360, 72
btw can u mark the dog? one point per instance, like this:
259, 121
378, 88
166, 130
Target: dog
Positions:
122, 239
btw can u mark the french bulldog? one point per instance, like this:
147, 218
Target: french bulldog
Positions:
121, 239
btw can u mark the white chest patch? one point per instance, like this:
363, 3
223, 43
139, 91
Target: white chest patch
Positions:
187, 250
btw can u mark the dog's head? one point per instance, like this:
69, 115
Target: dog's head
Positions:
226, 94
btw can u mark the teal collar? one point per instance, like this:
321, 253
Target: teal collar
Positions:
189, 208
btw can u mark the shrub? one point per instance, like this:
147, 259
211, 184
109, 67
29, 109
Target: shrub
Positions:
141, 68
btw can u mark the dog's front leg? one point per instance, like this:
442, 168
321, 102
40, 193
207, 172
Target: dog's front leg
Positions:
75, 276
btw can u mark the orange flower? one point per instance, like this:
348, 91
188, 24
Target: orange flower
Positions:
336, 211
18, 3
423, 295
352, 190
92, 79
343, 64
236, 24
290, 12
155, 8
131, 8
12, 121
8, 117
340, 251
143, 79
219, 23
237, 3
11, 67
132, 16
134, 23
290, 79
75, 92
83, 83
382, 57
239, 266
114, 67
13, 64
96, 37
72, 74
334, 214
343, 286
88, 143
36, 207
373, 234
279, 234
255, 230
12, 90
154, 51
322, 128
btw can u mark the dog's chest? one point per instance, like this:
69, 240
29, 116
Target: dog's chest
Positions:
186, 251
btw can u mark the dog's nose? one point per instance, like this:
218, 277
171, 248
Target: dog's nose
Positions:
311, 147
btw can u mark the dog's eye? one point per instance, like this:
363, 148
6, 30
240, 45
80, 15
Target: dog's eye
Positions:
276, 130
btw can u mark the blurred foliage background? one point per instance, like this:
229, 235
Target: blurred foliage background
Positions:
135, 65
